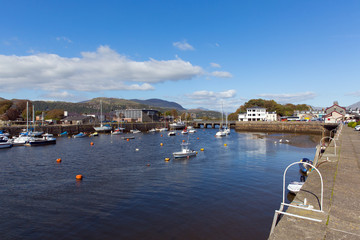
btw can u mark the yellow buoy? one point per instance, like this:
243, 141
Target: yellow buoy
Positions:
167, 159
79, 177
161, 144
225, 144
201, 149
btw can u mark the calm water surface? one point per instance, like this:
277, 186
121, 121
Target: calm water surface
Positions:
225, 192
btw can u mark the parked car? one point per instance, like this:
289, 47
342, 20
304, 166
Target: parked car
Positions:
357, 127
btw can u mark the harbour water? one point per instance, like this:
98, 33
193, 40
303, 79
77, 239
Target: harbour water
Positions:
130, 192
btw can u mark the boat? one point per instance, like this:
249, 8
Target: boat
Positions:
185, 151
2, 133
294, 187
22, 139
304, 168
117, 131
135, 131
79, 135
152, 130
177, 125
226, 129
184, 131
6, 144
221, 133
3, 138
125, 138
63, 134
102, 128
94, 134
172, 133
46, 139
192, 130
164, 129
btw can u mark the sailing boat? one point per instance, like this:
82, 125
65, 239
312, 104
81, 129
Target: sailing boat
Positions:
34, 133
221, 133
24, 137
102, 128
227, 129
119, 130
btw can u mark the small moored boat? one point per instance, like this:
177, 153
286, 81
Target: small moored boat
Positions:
185, 151
79, 135
304, 168
5, 145
294, 187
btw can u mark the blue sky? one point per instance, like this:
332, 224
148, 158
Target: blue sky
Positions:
197, 53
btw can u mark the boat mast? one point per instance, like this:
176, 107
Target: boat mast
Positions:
33, 116
27, 117
100, 113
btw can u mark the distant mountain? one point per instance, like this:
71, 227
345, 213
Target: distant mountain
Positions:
355, 105
159, 103
1, 99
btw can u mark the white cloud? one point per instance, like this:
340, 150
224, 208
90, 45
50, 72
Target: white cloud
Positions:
289, 98
184, 46
215, 65
212, 95
355, 94
221, 74
212, 100
102, 70
65, 39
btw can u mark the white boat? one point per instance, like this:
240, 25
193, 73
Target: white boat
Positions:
294, 187
152, 130
3, 138
172, 133
135, 131
221, 133
46, 139
185, 151
227, 128
192, 130
102, 128
177, 125
117, 131
22, 139
184, 131
5, 145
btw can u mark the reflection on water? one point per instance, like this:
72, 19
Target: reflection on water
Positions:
228, 191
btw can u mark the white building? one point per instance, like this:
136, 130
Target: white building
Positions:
257, 114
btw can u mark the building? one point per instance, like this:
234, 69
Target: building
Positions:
335, 113
78, 120
257, 114
309, 114
138, 115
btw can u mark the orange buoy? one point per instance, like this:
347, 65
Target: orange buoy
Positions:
58, 160
167, 159
161, 135
127, 139
197, 138
183, 140
92, 144
79, 177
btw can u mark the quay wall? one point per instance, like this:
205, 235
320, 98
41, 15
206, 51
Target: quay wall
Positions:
75, 129
287, 127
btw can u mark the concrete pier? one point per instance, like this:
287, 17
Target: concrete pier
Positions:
340, 219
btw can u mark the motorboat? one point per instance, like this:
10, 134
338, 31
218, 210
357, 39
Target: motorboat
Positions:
94, 134
117, 131
22, 139
152, 130
294, 187
63, 134
192, 130
2, 133
79, 135
304, 168
46, 139
135, 131
226, 131
3, 138
172, 133
177, 125
185, 151
184, 131
164, 129
6, 144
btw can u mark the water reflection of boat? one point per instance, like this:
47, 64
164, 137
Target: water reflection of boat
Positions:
185, 151
304, 168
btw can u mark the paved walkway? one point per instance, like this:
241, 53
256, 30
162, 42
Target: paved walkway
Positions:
340, 168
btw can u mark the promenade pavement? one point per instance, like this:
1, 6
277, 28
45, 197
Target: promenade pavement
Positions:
340, 219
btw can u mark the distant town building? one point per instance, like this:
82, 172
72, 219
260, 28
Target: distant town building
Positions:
257, 114
309, 114
78, 119
335, 113
138, 115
